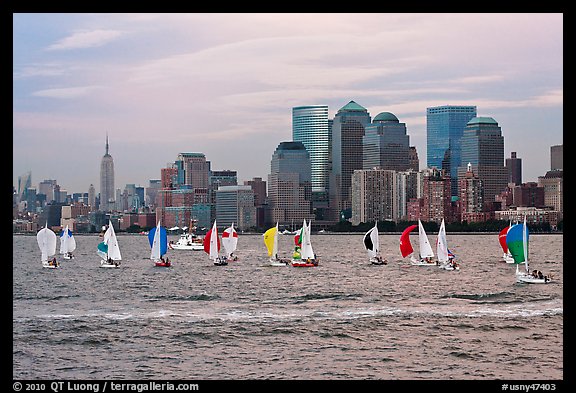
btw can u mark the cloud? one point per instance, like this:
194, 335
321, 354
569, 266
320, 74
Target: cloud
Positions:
86, 39
66, 92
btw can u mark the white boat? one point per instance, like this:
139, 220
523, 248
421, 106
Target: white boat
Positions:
371, 242
188, 241
426, 253
46, 239
305, 257
446, 259
108, 249
271, 243
517, 240
67, 243
230, 242
158, 246
212, 246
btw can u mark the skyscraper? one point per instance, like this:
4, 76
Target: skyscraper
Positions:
310, 126
444, 129
514, 168
385, 144
107, 181
289, 184
347, 133
483, 148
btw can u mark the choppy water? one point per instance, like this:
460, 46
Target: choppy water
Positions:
345, 319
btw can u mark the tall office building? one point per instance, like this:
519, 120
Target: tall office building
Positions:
92, 197
444, 129
310, 126
347, 134
385, 144
556, 157
235, 205
514, 168
289, 184
483, 148
107, 199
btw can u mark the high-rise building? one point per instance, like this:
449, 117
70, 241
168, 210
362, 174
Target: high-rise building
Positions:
235, 204
444, 130
483, 148
310, 126
347, 134
471, 198
556, 157
372, 195
107, 198
289, 184
92, 197
514, 168
436, 198
386, 144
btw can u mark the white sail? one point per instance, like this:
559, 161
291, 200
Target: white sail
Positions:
442, 244
112, 242
374, 241
67, 241
307, 251
214, 242
155, 250
425, 247
46, 239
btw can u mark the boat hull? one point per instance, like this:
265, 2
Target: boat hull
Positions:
302, 264
105, 264
49, 266
193, 247
529, 279
162, 264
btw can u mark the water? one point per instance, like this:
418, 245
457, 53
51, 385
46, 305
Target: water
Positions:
345, 319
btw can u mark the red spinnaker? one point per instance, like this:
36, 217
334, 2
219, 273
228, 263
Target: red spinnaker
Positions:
405, 245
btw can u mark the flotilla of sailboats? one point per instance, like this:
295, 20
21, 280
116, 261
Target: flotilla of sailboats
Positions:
514, 241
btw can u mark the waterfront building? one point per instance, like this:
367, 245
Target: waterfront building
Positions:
553, 184
471, 197
235, 204
436, 196
444, 130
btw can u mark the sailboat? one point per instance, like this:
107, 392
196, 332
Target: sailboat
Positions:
517, 242
306, 257
506, 256
230, 242
426, 252
212, 246
372, 245
271, 243
108, 249
46, 239
67, 243
158, 245
445, 257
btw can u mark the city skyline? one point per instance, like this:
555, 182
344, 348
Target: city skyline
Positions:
225, 85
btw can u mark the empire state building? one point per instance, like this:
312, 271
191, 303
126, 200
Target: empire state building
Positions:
107, 181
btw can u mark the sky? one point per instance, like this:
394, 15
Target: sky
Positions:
225, 84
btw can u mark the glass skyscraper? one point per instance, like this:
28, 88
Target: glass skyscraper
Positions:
310, 126
444, 128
